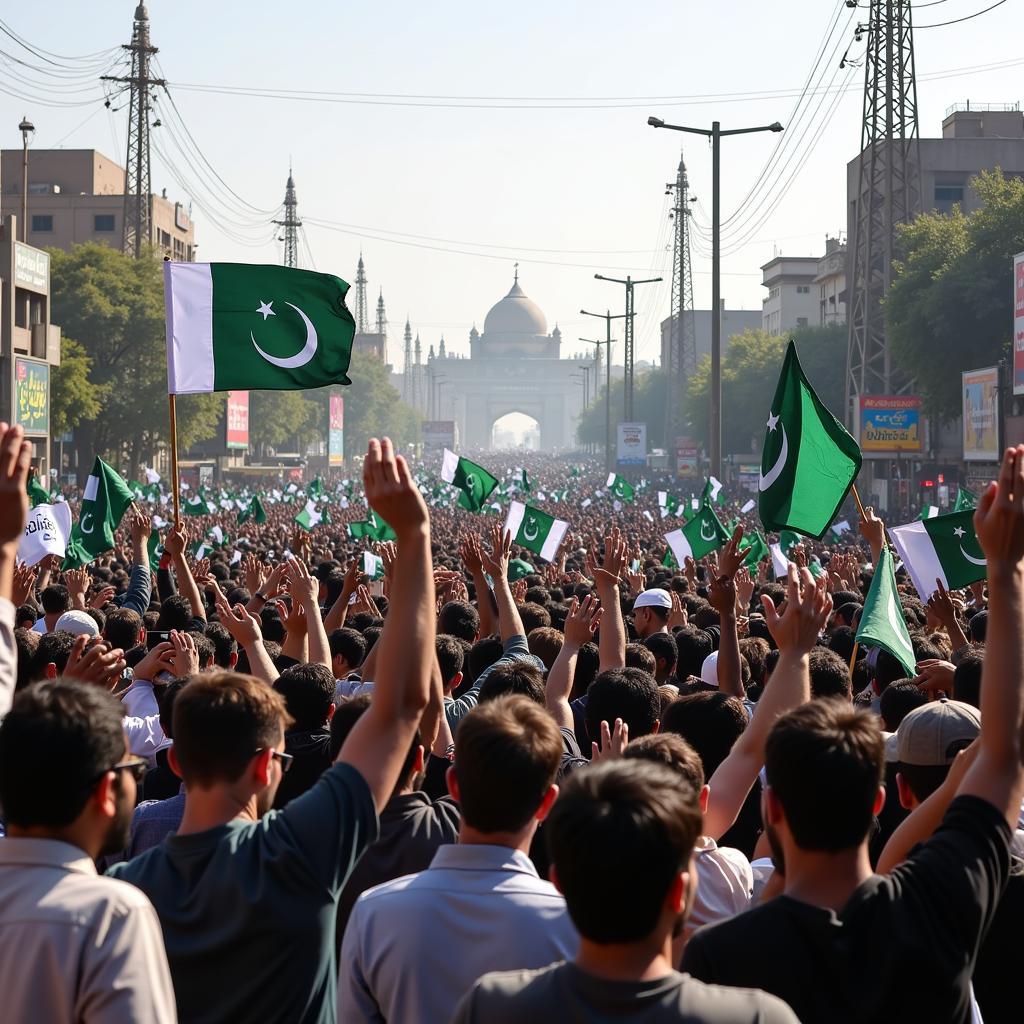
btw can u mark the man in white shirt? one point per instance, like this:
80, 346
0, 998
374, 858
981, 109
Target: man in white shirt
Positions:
415, 946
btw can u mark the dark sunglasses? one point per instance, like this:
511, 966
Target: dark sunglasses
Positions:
135, 766
279, 755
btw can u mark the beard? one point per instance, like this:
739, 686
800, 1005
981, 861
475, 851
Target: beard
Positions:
120, 828
778, 857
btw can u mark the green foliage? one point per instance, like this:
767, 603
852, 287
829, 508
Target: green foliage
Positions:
950, 307
373, 408
284, 420
74, 397
648, 406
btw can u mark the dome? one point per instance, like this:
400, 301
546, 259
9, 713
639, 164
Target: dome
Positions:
516, 314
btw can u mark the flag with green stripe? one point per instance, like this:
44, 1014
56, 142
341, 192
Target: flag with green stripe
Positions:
881, 622
944, 548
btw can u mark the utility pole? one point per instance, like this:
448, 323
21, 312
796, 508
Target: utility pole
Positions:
888, 194
607, 318
628, 352
715, 134
291, 224
362, 313
417, 382
27, 129
137, 221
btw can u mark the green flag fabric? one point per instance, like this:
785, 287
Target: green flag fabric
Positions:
944, 548
474, 482
104, 502
882, 623
753, 547
309, 516
259, 327
374, 528
703, 534
373, 565
535, 530
518, 569
809, 461
254, 511
965, 499
197, 505
620, 487
713, 492
667, 501
669, 560
156, 549
37, 494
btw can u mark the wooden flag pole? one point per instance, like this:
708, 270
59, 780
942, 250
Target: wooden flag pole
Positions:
856, 498
853, 657
174, 459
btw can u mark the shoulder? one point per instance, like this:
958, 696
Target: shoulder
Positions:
511, 995
115, 892
719, 1002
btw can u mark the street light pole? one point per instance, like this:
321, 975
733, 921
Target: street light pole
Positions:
607, 318
27, 128
715, 134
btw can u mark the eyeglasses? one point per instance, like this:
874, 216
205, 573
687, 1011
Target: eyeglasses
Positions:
135, 765
278, 755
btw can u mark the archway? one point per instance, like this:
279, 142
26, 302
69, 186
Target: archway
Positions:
515, 430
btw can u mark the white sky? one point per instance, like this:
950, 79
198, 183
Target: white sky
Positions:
584, 184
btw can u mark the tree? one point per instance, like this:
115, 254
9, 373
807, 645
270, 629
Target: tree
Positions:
373, 407
950, 306
284, 420
648, 406
74, 397
114, 306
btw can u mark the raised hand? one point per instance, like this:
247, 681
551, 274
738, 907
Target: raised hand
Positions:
519, 591
304, 586
254, 573
139, 526
872, 529
935, 676
678, 616
613, 742
185, 656
176, 539
390, 490
101, 664
999, 517
469, 552
495, 561
239, 623
24, 583
15, 457
159, 659
744, 589
731, 558
77, 582
582, 621
102, 597
808, 606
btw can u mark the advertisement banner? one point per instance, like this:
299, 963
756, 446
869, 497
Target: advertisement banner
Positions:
236, 423
632, 444
32, 396
31, 267
891, 423
981, 414
336, 431
1018, 324
687, 457
439, 434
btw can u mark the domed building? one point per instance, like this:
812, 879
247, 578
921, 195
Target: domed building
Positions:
515, 326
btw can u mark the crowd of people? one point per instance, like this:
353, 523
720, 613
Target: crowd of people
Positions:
259, 785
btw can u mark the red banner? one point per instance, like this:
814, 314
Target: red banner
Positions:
237, 421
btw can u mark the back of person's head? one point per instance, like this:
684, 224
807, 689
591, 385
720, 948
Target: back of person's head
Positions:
664, 648
978, 626
627, 693
928, 740
507, 754
619, 836
308, 692
349, 711
545, 642
123, 628
175, 613
534, 616
842, 598
55, 599
53, 649
588, 661
27, 643
825, 762
711, 722
205, 650
848, 611
450, 657
484, 653
898, 699
224, 645
694, 645
57, 740
460, 619
220, 720
638, 655
967, 677
165, 698
887, 670
348, 644
830, 675
510, 677
842, 640
755, 650
671, 750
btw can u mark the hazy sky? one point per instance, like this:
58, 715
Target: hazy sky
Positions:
570, 186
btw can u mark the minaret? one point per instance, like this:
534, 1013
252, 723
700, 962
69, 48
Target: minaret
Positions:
291, 223
441, 354
382, 327
417, 382
407, 366
362, 319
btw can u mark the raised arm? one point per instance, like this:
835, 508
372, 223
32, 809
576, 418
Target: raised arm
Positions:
248, 635
15, 456
612, 640
140, 583
496, 563
339, 610
940, 604
872, 529
722, 597
472, 560
304, 587
174, 545
380, 740
997, 774
796, 630
580, 625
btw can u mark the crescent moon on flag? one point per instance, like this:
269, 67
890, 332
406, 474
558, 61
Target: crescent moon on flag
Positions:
971, 559
303, 356
704, 523
898, 625
81, 523
536, 529
767, 479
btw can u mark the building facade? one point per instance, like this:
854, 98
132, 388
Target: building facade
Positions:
831, 283
792, 300
734, 321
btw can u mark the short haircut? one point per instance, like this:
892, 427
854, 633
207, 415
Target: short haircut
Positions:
887, 669
711, 722
220, 720
825, 762
451, 656
661, 614
205, 650
175, 613
671, 750
978, 626
694, 646
308, 692
619, 835
507, 754
349, 711
898, 699
510, 677
663, 646
545, 642
842, 640
967, 677
830, 675
55, 599
639, 656
52, 648
484, 653
224, 644
349, 644
588, 661
57, 740
165, 697
122, 628
627, 693
460, 619
533, 616
755, 650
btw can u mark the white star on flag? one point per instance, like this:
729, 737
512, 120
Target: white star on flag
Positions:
265, 309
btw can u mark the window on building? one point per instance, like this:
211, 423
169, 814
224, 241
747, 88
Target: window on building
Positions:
949, 193
801, 321
803, 289
42, 222
103, 222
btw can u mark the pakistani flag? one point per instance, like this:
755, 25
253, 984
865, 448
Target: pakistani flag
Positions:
104, 502
620, 487
315, 489
669, 502
753, 547
928, 512
703, 534
37, 495
197, 505
254, 511
156, 549
473, 481
809, 460
944, 548
373, 565
374, 528
535, 530
669, 560
266, 328
711, 492
965, 499
517, 569
309, 516
882, 623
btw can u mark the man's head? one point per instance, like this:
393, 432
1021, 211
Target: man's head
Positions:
663, 647
710, 722
534, 616
124, 629
519, 677
62, 749
451, 656
55, 600
77, 623
898, 699
621, 841
507, 754
967, 677
830, 675
545, 642
308, 692
175, 613
51, 655
650, 612
225, 647
627, 693
348, 648
460, 619
694, 645
228, 730
640, 656
927, 742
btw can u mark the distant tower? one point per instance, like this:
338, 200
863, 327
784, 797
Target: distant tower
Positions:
382, 327
407, 370
417, 374
362, 315
441, 354
137, 226
291, 224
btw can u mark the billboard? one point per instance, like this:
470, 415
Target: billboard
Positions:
236, 423
632, 444
1018, 324
439, 434
31, 268
687, 457
981, 414
336, 430
890, 423
32, 396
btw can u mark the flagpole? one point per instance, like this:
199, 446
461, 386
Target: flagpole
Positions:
853, 657
856, 498
174, 458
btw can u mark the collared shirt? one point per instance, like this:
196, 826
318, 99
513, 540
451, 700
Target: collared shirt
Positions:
415, 946
142, 726
75, 946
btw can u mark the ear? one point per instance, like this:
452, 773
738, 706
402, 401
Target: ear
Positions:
261, 767
907, 799
104, 799
51, 670
675, 898
545, 805
453, 783
705, 792
172, 760
233, 660
457, 680
142, 636
331, 708
771, 807
417, 764
657, 727
879, 801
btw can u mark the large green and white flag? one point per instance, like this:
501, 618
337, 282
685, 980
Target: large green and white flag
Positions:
944, 548
309, 516
260, 327
254, 511
535, 530
965, 499
809, 461
373, 565
703, 534
882, 623
473, 481
620, 487
104, 502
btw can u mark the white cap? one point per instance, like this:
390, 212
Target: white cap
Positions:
78, 622
656, 598
709, 669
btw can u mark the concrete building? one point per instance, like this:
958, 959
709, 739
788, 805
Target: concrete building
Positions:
792, 300
77, 195
734, 321
831, 283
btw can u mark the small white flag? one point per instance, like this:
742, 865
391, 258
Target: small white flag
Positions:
159, 522
586, 503
749, 505
695, 503
152, 476
46, 533
780, 563
648, 516
236, 557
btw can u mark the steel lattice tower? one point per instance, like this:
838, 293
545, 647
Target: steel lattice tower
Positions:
407, 366
291, 224
362, 313
888, 194
137, 220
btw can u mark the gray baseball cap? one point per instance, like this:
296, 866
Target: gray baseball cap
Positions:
933, 734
